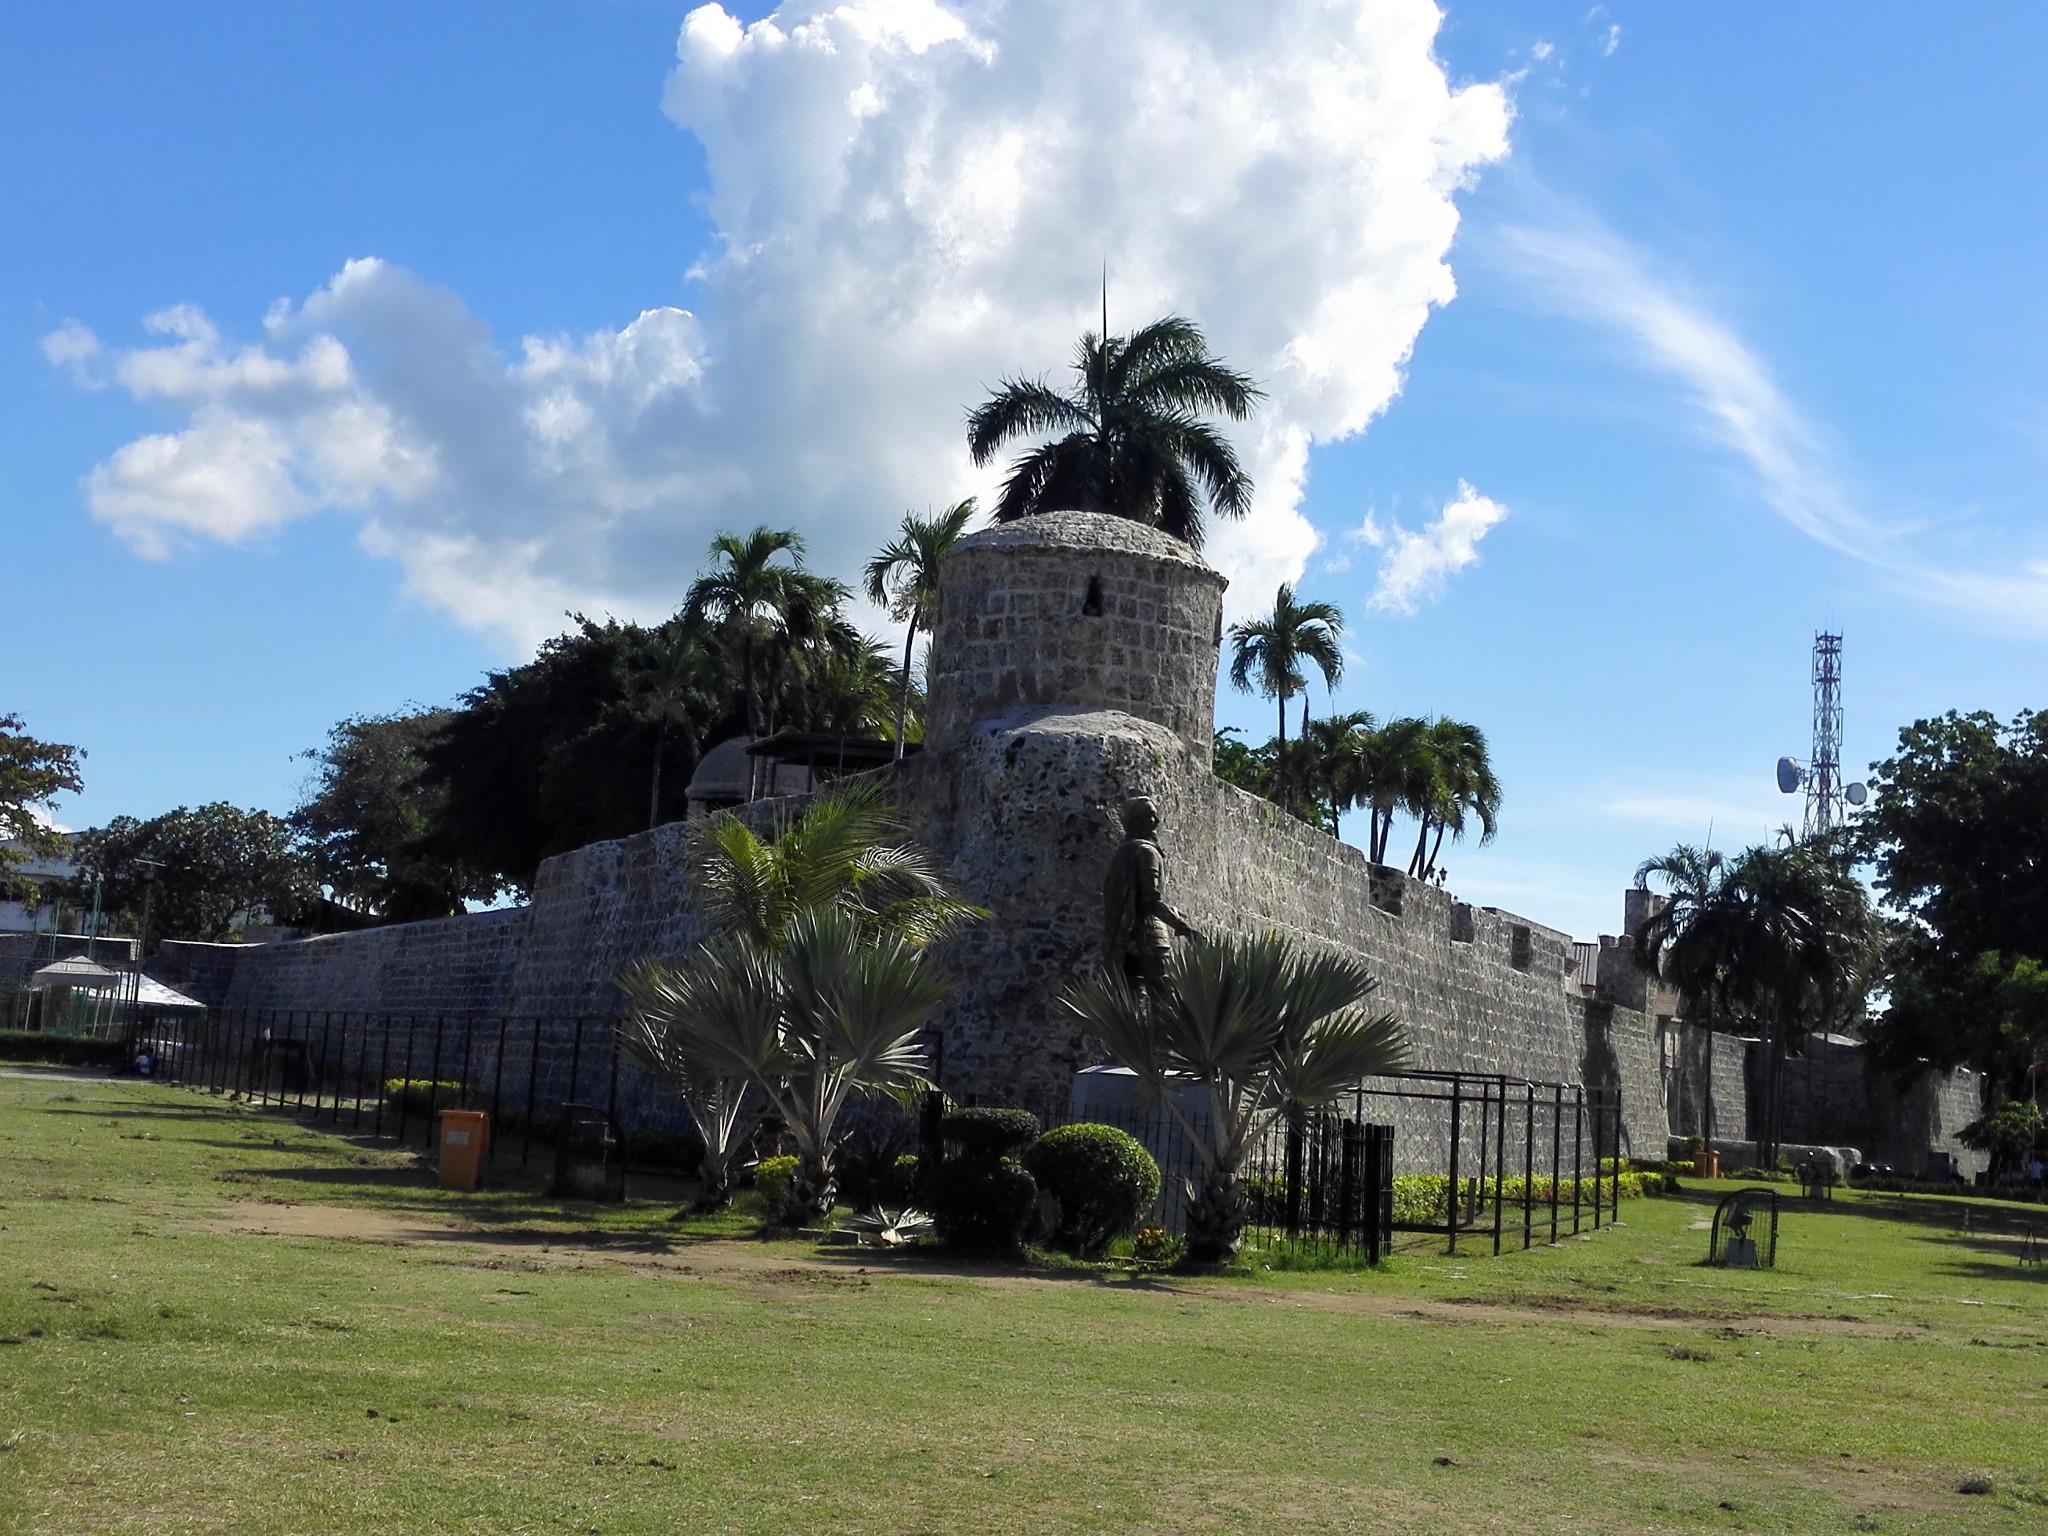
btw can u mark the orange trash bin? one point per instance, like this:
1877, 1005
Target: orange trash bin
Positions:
464, 1142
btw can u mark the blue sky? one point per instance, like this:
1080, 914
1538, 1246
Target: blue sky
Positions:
1747, 339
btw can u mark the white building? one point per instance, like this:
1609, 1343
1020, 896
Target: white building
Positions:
42, 918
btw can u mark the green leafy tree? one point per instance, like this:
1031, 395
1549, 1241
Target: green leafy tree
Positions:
555, 754
365, 815
1958, 843
1238, 762
1263, 1030
903, 577
32, 774
1270, 655
212, 864
2009, 1133
674, 686
1132, 440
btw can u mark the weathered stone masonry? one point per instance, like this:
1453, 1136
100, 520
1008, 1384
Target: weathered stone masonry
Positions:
1075, 661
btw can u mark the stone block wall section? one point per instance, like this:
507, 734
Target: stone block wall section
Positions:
1080, 612
1074, 664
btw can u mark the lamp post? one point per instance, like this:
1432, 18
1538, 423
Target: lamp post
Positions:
92, 927
148, 868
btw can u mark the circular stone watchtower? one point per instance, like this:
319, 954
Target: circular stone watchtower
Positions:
1075, 610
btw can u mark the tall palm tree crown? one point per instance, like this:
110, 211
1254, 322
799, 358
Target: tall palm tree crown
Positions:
751, 594
1784, 935
1455, 780
1132, 441
903, 576
1269, 655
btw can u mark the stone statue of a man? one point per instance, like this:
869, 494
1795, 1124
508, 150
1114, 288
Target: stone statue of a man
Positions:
1138, 926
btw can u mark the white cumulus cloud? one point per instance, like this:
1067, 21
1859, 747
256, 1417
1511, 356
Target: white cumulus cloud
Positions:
1415, 564
910, 201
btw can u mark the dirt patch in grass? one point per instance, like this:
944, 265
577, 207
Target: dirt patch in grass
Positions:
725, 1260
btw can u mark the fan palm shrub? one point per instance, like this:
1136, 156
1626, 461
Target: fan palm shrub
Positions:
723, 1029
846, 850
830, 1014
1261, 1029
1132, 441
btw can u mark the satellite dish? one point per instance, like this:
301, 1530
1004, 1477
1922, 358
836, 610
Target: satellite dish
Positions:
1788, 775
1856, 794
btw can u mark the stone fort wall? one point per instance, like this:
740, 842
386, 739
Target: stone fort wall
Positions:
1075, 665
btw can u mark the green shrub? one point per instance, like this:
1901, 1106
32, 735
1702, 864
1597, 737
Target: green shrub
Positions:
774, 1182
984, 1204
61, 1050
416, 1095
680, 1150
1422, 1198
1156, 1245
900, 1187
1103, 1179
989, 1133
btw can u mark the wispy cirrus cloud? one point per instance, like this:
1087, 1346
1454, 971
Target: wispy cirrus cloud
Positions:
1575, 265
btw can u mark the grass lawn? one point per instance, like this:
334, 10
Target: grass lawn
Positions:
215, 1319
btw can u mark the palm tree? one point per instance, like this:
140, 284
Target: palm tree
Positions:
903, 576
804, 635
1269, 654
849, 685
1682, 940
1334, 747
1132, 440
1393, 766
748, 595
1264, 1029
1803, 946
1784, 934
1459, 780
845, 852
834, 1011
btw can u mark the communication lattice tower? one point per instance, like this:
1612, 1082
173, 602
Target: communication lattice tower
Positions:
1824, 799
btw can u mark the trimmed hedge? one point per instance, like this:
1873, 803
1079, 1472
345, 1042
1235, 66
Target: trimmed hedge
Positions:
1103, 1179
62, 1050
984, 1204
1422, 1197
416, 1095
989, 1133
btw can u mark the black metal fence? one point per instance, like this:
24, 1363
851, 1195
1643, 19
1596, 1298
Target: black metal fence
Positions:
388, 1075
1497, 1158
1465, 1156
